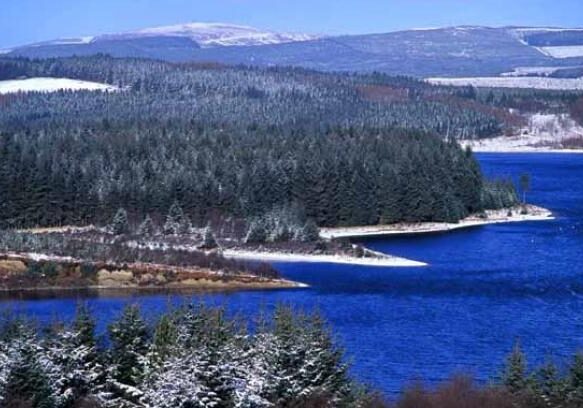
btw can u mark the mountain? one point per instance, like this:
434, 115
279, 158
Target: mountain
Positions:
208, 35
449, 51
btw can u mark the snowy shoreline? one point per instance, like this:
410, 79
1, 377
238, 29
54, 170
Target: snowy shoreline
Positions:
494, 217
383, 261
545, 133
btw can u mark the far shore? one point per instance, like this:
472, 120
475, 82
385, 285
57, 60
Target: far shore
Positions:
493, 217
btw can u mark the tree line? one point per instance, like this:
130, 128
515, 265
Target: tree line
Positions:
244, 142
194, 356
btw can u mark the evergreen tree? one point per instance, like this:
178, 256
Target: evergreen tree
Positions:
256, 233
147, 227
27, 382
120, 224
129, 337
208, 238
514, 376
309, 232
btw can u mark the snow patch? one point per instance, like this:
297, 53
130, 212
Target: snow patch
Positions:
528, 71
513, 82
51, 85
543, 133
388, 261
562, 51
218, 34
493, 217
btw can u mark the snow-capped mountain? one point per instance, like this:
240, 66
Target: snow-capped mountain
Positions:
460, 51
215, 35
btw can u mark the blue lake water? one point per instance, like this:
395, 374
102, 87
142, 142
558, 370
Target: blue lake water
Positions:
484, 288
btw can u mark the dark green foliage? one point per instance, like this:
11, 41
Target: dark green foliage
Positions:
129, 337
514, 376
120, 224
256, 233
197, 136
499, 194
309, 232
147, 227
208, 238
27, 382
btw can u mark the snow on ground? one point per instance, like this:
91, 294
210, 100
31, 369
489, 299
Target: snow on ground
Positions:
526, 71
562, 51
494, 217
51, 85
219, 34
513, 82
544, 132
388, 261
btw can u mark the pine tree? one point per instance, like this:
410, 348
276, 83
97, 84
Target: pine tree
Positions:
256, 233
147, 227
309, 232
120, 224
176, 221
27, 382
208, 238
129, 338
575, 380
514, 376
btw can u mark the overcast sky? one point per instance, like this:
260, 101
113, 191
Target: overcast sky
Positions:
26, 21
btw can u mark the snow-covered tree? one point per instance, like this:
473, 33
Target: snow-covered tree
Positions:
176, 221
256, 233
147, 227
120, 224
309, 232
208, 238
129, 337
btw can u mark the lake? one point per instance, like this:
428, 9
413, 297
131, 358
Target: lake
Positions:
485, 288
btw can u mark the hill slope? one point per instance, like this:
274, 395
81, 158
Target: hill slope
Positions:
451, 51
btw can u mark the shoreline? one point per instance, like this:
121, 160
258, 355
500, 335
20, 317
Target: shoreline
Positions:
134, 277
525, 149
494, 217
382, 261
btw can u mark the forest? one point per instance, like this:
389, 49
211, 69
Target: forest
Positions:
198, 356
241, 142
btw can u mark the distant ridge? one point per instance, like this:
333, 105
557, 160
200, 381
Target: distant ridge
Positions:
459, 51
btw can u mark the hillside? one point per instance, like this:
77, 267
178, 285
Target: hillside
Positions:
272, 148
450, 51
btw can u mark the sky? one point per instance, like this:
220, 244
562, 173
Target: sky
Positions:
27, 21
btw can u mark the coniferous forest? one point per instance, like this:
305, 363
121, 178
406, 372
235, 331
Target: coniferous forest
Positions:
346, 149
198, 356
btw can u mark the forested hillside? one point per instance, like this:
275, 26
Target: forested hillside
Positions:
346, 149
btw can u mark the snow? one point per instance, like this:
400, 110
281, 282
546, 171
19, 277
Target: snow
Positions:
388, 261
494, 217
51, 85
70, 41
526, 71
562, 51
512, 82
544, 132
545, 29
219, 34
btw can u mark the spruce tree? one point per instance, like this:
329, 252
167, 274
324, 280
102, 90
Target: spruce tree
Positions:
514, 376
256, 233
147, 227
120, 224
129, 338
208, 238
